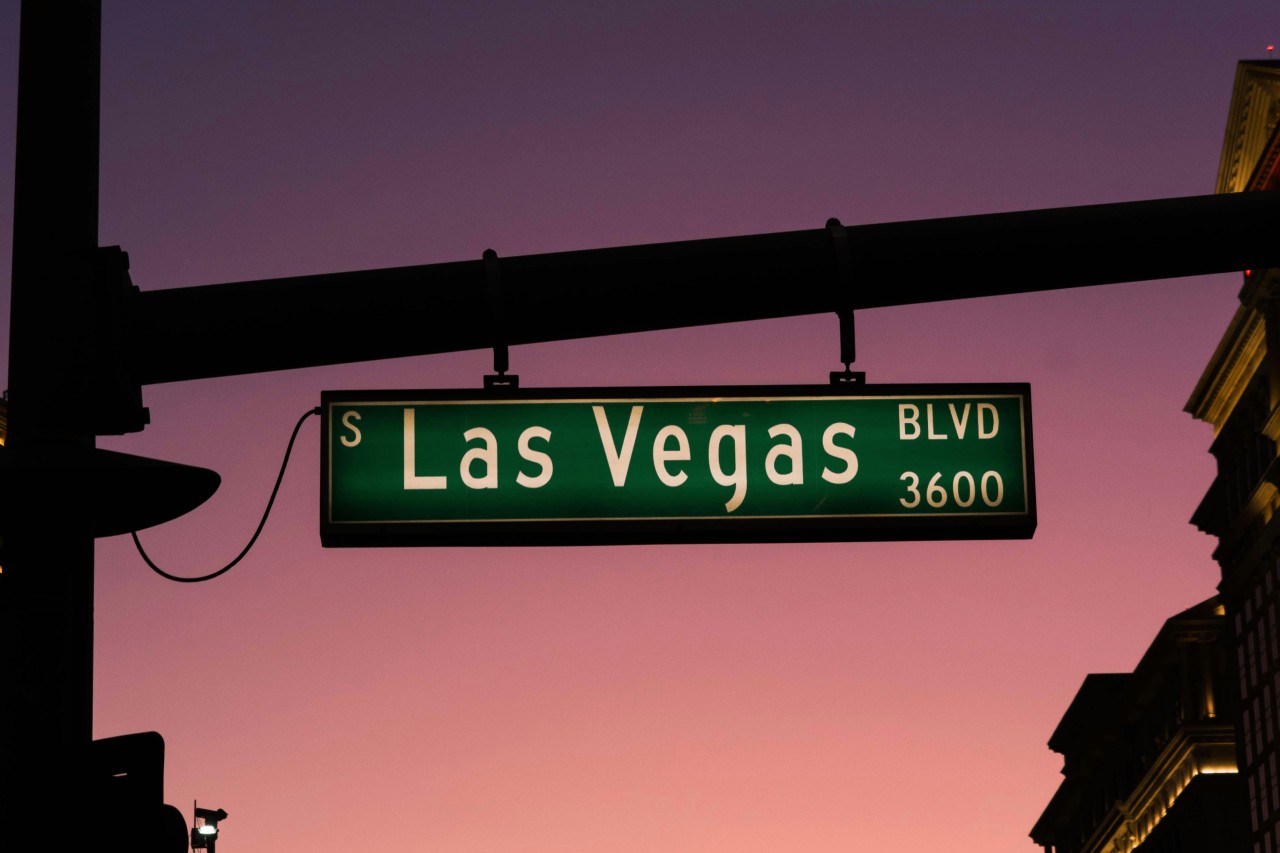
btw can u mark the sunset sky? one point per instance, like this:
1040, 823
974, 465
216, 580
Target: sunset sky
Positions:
813, 697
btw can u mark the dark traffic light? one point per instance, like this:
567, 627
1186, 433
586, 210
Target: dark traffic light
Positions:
128, 792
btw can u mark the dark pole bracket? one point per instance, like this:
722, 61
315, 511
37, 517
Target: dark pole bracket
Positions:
498, 324
843, 288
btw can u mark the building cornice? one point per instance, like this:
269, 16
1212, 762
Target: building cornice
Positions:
1194, 750
1251, 123
1229, 371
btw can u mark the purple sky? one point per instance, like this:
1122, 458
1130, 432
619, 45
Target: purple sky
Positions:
752, 698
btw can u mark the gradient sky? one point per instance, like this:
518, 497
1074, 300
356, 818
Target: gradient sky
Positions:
834, 697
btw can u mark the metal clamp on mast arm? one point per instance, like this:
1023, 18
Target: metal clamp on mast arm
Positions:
843, 286
498, 323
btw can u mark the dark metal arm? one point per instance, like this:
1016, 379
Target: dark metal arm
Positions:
249, 327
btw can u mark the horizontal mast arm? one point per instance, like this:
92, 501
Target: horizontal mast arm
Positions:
256, 326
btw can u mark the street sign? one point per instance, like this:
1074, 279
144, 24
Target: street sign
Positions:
567, 466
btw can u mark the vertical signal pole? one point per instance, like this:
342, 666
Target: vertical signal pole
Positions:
46, 586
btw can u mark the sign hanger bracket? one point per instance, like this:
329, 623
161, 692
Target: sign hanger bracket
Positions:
498, 326
844, 306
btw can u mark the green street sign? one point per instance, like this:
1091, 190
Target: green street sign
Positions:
570, 466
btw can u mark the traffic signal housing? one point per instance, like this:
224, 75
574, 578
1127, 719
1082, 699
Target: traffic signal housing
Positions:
127, 775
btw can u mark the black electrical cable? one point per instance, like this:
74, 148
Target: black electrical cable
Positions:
261, 524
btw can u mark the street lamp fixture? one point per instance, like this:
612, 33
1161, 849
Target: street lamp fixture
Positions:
204, 832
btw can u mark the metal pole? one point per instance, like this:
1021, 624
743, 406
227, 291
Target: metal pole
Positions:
46, 587
248, 327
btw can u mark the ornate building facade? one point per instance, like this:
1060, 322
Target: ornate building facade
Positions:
1239, 395
1183, 754
1150, 756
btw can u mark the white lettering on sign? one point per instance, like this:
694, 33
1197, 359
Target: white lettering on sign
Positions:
347, 419
619, 459
738, 476
671, 453
835, 451
928, 416
411, 478
909, 422
988, 429
487, 456
671, 445
962, 489
794, 453
537, 457
662, 455
961, 422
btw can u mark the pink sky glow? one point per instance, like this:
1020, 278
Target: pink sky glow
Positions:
815, 697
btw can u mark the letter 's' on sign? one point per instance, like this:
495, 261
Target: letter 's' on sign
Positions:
567, 466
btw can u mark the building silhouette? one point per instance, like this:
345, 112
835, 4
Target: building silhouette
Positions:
1149, 756
1239, 395
1181, 754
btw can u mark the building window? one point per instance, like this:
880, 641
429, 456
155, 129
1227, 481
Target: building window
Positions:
1275, 789
1264, 659
1253, 660
1266, 715
1271, 626
1248, 741
1263, 805
1275, 684
1257, 728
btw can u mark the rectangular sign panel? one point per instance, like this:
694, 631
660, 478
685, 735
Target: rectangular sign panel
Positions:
568, 466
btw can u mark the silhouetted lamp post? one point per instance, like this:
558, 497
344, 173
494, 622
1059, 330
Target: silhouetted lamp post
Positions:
204, 834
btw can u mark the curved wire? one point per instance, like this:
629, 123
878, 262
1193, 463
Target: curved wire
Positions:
261, 524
